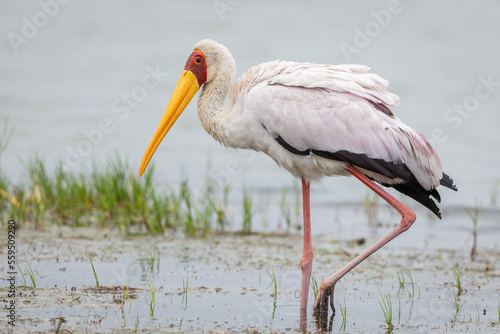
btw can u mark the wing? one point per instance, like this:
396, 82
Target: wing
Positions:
343, 125
349, 78
348, 128
341, 113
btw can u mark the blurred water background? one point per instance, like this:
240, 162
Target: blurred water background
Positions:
82, 80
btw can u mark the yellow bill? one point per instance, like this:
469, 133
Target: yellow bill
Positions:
184, 91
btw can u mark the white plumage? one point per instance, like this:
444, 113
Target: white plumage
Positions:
320, 107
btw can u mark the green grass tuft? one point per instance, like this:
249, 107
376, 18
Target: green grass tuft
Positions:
403, 284
24, 278
412, 294
401, 279
31, 273
274, 281
386, 306
497, 320
111, 195
314, 286
458, 283
152, 299
152, 260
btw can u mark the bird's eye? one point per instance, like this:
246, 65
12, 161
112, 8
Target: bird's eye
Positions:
197, 60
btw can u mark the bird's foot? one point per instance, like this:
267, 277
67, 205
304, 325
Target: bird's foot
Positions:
325, 294
323, 324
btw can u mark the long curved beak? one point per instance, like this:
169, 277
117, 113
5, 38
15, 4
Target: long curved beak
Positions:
184, 91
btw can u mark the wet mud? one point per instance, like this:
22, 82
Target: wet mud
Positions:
225, 283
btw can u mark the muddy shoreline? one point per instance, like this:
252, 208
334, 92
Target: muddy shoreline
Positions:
224, 283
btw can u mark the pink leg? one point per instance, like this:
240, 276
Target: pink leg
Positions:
408, 217
307, 256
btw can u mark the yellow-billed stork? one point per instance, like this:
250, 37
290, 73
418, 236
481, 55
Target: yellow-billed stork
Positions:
314, 121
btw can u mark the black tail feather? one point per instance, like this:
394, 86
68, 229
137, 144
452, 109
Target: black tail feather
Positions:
448, 182
419, 194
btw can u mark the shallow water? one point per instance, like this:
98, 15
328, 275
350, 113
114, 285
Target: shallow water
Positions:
230, 286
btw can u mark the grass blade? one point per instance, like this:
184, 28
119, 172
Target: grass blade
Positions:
95, 274
343, 311
32, 274
314, 286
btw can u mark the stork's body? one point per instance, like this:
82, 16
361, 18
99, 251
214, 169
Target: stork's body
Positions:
314, 121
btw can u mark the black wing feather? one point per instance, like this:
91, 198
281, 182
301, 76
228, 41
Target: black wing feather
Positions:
411, 187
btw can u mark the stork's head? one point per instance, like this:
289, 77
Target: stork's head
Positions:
205, 64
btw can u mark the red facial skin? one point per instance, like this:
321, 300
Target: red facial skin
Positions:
196, 63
